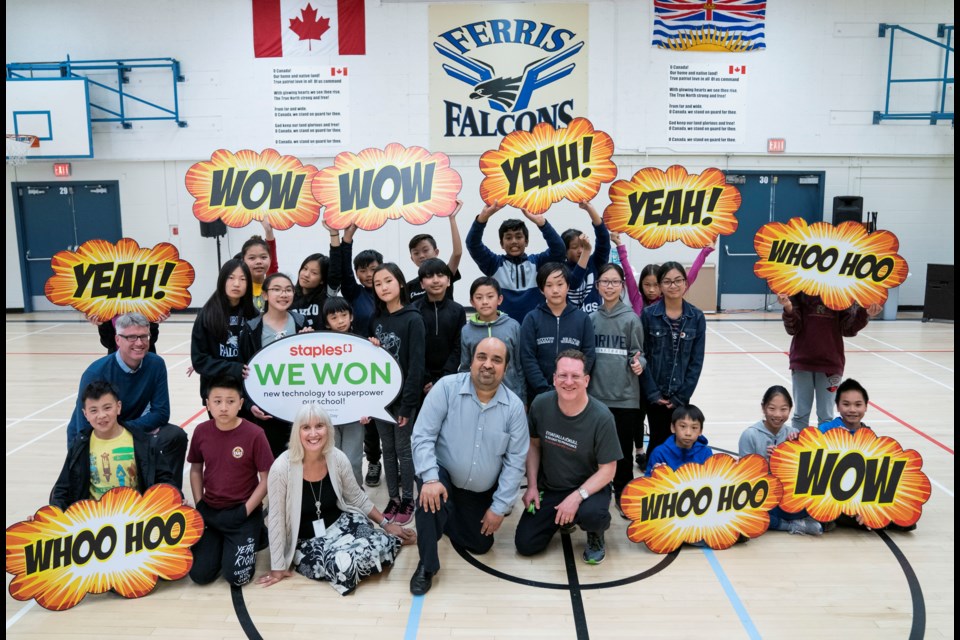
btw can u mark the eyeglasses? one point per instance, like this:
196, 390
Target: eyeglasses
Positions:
610, 283
288, 290
145, 338
673, 283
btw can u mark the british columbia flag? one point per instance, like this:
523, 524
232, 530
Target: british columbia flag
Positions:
714, 25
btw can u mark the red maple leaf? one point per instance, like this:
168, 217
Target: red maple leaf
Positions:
311, 27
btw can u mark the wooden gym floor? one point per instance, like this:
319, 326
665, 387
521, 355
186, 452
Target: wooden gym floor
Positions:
846, 584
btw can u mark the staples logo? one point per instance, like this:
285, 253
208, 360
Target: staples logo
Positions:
320, 350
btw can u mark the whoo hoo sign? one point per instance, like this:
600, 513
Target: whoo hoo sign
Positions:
715, 502
346, 375
842, 264
124, 542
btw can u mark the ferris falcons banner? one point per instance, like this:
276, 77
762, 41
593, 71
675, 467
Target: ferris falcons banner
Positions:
499, 68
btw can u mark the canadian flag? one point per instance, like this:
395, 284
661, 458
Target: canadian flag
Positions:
742, 70
283, 28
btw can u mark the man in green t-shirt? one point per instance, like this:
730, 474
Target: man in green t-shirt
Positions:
573, 455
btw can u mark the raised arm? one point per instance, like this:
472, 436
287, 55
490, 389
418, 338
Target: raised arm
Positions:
697, 264
630, 278
487, 260
601, 252
454, 262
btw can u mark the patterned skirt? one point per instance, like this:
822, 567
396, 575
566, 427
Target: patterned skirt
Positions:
351, 549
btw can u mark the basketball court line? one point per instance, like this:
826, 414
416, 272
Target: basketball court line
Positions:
15, 618
24, 335
898, 349
413, 619
750, 355
732, 596
902, 366
49, 406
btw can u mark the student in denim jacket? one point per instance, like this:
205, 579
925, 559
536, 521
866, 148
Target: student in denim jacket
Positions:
674, 334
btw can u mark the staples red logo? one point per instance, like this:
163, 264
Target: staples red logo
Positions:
316, 351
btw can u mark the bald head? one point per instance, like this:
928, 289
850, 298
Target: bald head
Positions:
490, 358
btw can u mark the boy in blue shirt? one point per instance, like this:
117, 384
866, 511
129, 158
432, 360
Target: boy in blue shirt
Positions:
687, 443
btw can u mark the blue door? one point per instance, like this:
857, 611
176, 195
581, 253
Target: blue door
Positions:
765, 197
52, 217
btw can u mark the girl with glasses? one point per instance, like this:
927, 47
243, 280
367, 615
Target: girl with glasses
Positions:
276, 322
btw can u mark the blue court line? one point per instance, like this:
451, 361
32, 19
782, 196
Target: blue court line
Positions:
745, 619
413, 620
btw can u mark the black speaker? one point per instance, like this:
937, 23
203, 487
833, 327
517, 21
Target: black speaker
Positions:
215, 229
847, 209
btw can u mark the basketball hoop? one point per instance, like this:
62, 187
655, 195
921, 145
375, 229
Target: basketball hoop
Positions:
17, 146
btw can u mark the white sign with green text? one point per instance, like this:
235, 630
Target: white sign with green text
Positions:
345, 374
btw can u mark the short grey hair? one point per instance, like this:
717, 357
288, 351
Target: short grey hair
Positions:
132, 319
308, 413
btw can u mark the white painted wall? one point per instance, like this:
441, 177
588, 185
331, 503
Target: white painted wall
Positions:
817, 85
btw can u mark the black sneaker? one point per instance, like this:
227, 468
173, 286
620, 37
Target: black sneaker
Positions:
372, 478
596, 550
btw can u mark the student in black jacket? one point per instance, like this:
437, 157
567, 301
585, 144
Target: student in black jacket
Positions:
310, 292
215, 340
398, 328
443, 320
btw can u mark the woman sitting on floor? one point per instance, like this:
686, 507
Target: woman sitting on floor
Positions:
320, 521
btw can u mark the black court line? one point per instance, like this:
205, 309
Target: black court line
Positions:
919, 625
243, 616
576, 598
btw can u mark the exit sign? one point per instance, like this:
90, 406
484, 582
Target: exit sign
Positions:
61, 169
776, 145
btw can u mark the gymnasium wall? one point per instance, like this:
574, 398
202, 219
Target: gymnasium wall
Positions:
816, 85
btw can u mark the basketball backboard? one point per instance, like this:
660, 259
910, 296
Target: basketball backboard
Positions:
56, 110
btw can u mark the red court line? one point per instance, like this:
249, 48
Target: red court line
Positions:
193, 417
912, 428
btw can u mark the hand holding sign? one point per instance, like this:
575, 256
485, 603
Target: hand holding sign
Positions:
345, 374
843, 265
533, 169
657, 207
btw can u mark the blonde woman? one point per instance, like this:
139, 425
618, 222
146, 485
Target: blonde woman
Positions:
321, 522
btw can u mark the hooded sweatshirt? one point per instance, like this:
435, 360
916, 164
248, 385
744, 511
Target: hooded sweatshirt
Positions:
340, 276
543, 336
818, 334
442, 322
618, 338
757, 438
505, 328
517, 275
675, 457
583, 282
403, 336
211, 356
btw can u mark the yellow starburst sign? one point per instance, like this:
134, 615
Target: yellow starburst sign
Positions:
247, 186
842, 264
716, 502
533, 169
857, 474
124, 542
103, 280
376, 185
657, 207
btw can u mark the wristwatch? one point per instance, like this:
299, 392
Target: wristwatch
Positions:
583, 493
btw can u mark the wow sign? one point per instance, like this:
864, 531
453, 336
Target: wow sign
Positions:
123, 542
103, 280
843, 264
857, 474
533, 169
657, 207
377, 185
246, 186
715, 502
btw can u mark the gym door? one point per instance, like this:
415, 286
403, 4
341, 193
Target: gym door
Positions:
766, 197
51, 217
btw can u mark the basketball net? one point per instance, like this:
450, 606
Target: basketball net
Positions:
17, 147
